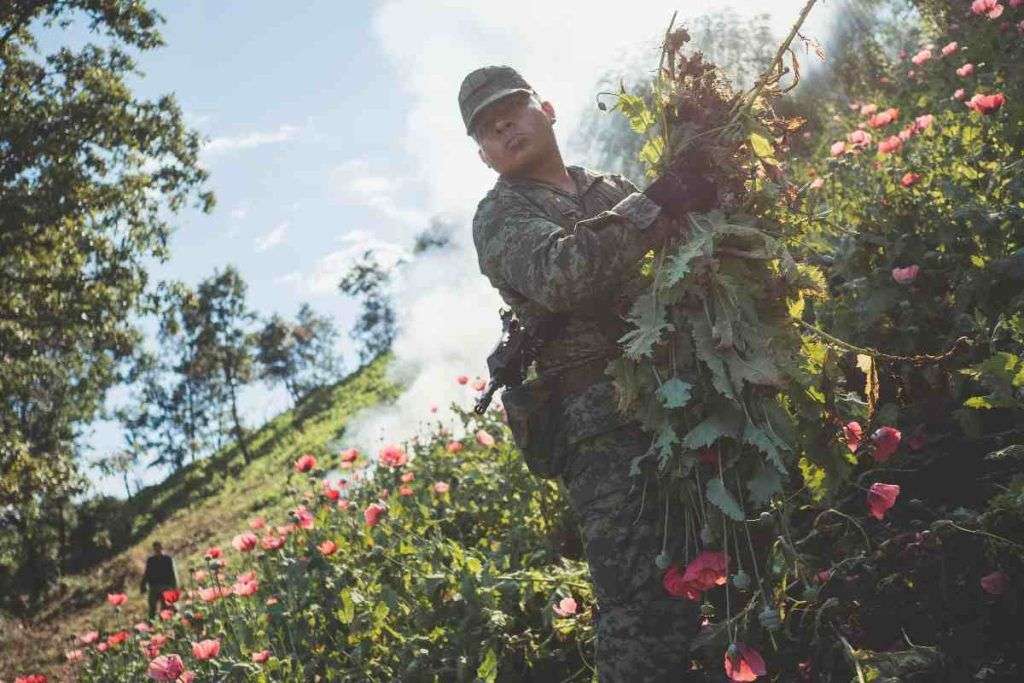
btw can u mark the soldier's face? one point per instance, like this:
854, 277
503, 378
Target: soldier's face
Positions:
515, 134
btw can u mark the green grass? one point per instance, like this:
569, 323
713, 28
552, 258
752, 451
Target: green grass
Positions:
205, 503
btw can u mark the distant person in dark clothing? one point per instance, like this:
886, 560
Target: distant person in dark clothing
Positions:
159, 576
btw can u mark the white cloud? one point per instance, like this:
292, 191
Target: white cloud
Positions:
272, 238
225, 144
327, 272
354, 182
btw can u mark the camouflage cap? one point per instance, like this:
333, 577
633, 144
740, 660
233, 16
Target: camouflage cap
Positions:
487, 85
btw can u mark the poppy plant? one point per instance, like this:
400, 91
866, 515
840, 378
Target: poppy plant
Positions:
987, 104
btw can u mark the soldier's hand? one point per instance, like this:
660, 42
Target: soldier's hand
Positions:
685, 187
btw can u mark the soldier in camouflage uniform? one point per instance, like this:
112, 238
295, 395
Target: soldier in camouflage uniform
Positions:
557, 239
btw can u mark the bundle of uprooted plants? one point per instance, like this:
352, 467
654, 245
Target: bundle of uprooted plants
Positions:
713, 367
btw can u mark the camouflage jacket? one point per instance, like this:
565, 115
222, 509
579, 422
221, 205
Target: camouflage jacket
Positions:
548, 251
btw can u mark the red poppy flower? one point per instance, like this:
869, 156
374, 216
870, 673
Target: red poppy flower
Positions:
117, 638
117, 599
244, 543
707, 570
245, 586
995, 583
171, 596
31, 678
676, 585
886, 440
405, 490
349, 455
454, 446
327, 547
89, 637
213, 553
479, 384
890, 144
909, 179
852, 432
881, 497
304, 463
271, 542
743, 663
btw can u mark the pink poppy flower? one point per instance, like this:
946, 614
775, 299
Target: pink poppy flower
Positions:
244, 543
990, 8
304, 517
743, 663
206, 649
89, 637
158, 640
441, 487
327, 548
165, 668
921, 57
479, 384
884, 118
454, 446
965, 70
261, 657
859, 138
886, 440
995, 583
187, 677
407, 477
102, 647
304, 463
924, 122
959, 94
74, 655
852, 432
462, 379
349, 455
271, 542
343, 504
837, 148
566, 607
484, 439
117, 599
909, 179
890, 144
244, 588
881, 497
257, 523
949, 48
166, 614
143, 627
674, 584
987, 104
905, 276
707, 570
392, 455
405, 490
433, 407
372, 513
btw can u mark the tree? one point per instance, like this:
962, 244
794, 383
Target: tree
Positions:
119, 463
375, 329
89, 176
219, 321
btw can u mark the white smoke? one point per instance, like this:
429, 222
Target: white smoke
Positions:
447, 311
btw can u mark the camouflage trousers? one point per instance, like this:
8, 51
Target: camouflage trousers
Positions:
643, 634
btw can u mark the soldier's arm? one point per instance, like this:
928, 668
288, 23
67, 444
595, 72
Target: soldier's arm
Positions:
562, 271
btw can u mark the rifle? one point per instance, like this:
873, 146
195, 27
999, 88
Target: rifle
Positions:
513, 353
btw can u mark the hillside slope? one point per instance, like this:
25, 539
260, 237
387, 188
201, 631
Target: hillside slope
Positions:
203, 504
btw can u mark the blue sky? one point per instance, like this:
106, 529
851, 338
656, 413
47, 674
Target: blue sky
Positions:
333, 126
